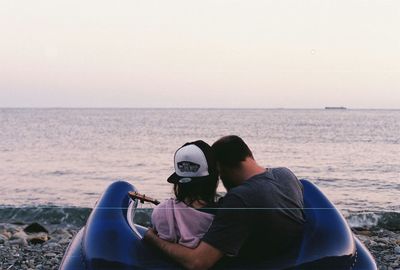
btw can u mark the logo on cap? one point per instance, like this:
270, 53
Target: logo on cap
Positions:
187, 166
185, 180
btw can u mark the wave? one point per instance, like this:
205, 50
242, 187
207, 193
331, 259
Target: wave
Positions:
374, 220
77, 216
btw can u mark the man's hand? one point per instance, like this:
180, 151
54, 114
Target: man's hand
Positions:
150, 235
203, 256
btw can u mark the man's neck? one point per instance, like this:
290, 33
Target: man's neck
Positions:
251, 168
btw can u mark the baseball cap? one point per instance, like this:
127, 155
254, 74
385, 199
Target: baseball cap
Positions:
193, 161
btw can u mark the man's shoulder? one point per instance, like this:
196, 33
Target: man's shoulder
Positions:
282, 171
247, 193
243, 189
273, 174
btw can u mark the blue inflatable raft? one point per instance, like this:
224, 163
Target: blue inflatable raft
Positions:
110, 239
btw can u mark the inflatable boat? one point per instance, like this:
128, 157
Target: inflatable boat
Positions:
111, 239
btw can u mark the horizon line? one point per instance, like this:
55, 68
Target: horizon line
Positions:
200, 108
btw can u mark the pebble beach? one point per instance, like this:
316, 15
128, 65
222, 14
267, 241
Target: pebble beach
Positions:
43, 247
37, 250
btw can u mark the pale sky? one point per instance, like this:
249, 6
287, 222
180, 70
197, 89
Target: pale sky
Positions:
204, 53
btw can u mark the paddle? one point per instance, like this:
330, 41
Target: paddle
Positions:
142, 198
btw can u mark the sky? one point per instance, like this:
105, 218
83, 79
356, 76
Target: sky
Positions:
208, 53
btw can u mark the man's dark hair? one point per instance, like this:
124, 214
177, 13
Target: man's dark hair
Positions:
204, 189
231, 150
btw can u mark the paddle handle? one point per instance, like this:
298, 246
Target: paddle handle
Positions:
142, 198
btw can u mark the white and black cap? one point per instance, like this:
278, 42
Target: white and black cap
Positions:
194, 161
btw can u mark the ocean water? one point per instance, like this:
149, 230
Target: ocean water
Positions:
67, 157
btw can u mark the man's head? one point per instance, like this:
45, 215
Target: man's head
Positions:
231, 152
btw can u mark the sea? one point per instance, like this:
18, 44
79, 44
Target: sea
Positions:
56, 162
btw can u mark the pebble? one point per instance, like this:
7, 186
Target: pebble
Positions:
364, 233
65, 241
18, 242
53, 245
62, 232
50, 255
54, 261
3, 238
387, 257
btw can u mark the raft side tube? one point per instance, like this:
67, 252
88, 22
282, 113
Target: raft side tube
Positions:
327, 235
364, 259
73, 257
109, 241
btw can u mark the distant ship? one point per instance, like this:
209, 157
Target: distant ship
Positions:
335, 108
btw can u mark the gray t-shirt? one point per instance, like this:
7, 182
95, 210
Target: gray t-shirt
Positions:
261, 218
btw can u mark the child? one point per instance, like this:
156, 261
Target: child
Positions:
186, 218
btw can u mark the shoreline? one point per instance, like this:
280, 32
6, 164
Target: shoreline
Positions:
44, 250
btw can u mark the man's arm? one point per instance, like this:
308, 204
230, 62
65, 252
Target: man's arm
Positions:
203, 256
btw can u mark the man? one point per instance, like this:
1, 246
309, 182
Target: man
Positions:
260, 217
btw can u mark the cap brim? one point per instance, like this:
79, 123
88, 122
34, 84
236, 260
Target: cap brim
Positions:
174, 178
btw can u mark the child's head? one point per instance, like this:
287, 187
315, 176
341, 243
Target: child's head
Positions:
196, 174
